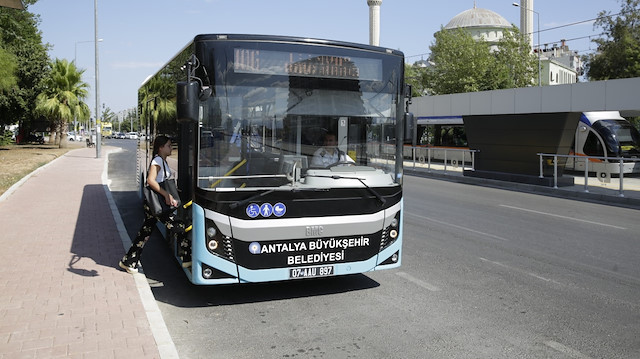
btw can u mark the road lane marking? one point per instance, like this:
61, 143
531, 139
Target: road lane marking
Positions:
510, 268
565, 350
419, 282
563, 217
459, 227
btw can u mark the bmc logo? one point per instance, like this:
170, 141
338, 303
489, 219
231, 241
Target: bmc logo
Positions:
314, 231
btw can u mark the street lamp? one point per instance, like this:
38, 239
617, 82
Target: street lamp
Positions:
539, 48
98, 134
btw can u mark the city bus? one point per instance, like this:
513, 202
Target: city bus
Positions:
249, 114
107, 130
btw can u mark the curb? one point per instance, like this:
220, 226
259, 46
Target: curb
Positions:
159, 329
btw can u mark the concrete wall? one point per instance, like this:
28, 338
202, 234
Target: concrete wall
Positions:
510, 143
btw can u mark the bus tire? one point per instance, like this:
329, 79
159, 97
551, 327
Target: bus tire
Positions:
421, 159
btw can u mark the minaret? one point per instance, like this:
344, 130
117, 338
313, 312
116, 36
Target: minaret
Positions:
374, 21
526, 20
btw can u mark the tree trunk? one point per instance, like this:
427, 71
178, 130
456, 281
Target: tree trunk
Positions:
63, 140
62, 135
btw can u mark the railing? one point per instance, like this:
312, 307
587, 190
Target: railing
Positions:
620, 162
456, 156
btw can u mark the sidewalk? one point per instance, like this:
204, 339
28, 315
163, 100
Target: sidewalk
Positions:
63, 294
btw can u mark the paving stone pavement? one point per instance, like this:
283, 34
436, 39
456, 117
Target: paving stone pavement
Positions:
62, 293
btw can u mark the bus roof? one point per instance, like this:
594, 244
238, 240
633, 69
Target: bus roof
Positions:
294, 39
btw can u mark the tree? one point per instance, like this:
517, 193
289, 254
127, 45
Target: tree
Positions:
108, 115
22, 40
618, 54
463, 64
514, 64
61, 101
8, 67
414, 76
460, 63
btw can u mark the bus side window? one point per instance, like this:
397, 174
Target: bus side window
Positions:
593, 146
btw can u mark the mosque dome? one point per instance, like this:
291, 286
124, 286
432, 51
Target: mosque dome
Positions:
476, 17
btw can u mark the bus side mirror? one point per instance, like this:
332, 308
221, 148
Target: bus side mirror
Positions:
187, 106
409, 128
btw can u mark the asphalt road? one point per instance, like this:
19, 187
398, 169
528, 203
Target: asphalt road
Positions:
486, 273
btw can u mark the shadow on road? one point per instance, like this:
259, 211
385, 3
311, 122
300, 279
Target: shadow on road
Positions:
178, 291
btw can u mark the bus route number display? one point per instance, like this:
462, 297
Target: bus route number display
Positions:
266, 62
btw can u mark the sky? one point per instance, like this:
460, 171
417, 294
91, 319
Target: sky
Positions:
140, 36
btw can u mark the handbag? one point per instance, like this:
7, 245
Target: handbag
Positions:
155, 201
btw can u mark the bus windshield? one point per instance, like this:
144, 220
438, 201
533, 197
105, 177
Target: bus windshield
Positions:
621, 138
274, 113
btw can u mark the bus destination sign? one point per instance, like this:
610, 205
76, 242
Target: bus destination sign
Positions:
266, 62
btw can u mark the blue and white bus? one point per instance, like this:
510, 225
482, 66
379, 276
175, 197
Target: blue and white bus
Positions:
250, 113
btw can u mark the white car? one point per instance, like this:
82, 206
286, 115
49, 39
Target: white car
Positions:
132, 135
71, 136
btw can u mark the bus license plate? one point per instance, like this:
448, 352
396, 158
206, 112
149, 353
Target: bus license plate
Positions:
310, 272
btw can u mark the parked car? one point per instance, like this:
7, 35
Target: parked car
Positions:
33, 138
72, 136
132, 135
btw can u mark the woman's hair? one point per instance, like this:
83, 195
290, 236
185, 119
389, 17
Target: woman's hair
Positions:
160, 141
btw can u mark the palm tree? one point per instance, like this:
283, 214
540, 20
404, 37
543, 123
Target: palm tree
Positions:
61, 100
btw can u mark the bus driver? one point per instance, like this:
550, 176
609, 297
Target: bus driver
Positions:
329, 154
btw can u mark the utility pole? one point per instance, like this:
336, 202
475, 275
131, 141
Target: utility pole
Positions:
98, 125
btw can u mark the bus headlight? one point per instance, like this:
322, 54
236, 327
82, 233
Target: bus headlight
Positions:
212, 244
391, 233
217, 243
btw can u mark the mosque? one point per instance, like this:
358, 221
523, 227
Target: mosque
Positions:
558, 64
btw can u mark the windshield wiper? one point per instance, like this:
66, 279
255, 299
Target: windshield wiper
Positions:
337, 177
